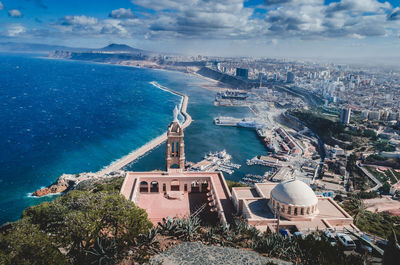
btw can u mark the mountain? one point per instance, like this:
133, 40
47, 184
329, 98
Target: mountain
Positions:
122, 48
46, 48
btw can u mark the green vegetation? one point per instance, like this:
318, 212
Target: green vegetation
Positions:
380, 224
368, 195
383, 145
384, 161
96, 225
382, 177
88, 226
311, 250
328, 128
360, 180
231, 184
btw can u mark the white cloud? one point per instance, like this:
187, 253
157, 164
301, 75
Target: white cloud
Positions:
357, 6
78, 21
394, 14
14, 13
90, 26
230, 20
122, 13
15, 30
1, 6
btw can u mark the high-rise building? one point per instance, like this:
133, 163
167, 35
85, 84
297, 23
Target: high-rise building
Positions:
374, 115
345, 115
242, 72
289, 77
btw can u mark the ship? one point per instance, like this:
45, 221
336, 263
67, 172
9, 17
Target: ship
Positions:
229, 94
249, 123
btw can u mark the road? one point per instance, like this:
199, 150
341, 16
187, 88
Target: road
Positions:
372, 177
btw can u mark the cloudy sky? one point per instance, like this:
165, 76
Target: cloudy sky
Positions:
282, 28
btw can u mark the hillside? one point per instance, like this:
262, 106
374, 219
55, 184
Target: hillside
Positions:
122, 48
94, 224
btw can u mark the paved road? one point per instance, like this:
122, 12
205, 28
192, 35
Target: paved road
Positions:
372, 177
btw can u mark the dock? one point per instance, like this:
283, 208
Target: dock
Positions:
122, 162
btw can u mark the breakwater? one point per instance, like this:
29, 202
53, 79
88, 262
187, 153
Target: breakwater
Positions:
187, 120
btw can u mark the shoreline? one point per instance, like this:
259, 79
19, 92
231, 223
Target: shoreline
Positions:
125, 160
118, 164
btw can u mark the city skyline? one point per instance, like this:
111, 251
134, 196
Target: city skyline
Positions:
271, 28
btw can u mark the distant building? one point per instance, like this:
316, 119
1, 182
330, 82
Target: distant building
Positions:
345, 115
365, 114
242, 72
374, 115
289, 77
393, 116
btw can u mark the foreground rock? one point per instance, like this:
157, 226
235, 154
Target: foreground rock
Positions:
69, 181
197, 253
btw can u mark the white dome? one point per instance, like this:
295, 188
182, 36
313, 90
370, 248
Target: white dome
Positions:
294, 192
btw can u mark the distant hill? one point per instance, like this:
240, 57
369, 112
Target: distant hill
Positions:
122, 48
46, 48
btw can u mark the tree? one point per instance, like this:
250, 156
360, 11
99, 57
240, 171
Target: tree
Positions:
77, 219
392, 251
26, 244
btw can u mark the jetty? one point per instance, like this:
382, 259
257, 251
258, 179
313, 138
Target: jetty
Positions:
122, 162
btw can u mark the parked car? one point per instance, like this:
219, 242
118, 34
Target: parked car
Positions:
363, 246
382, 244
299, 235
346, 241
283, 232
329, 237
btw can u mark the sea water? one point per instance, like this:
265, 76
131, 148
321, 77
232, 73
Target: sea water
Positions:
59, 116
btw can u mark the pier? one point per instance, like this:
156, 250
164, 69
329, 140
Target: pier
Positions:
122, 162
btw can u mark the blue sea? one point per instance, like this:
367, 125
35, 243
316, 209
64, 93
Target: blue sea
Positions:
60, 116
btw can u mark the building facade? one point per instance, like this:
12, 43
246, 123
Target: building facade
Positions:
175, 192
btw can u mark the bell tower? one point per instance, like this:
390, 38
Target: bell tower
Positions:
175, 154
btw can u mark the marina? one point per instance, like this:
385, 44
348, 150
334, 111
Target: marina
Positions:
218, 161
251, 179
230, 121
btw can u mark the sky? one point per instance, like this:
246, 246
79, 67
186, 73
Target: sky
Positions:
262, 28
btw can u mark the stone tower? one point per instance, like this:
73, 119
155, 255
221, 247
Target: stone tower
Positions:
175, 154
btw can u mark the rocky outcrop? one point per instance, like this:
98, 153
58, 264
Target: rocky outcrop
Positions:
68, 181
63, 183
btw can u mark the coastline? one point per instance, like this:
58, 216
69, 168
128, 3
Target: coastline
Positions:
61, 186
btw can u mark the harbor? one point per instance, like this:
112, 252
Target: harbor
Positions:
230, 121
218, 161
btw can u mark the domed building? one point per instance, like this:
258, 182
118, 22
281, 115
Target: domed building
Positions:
291, 205
293, 199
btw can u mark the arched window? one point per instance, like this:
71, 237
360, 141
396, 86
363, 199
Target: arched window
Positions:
295, 211
302, 211
195, 187
204, 186
164, 187
289, 210
175, 185
154, 186
144, 186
